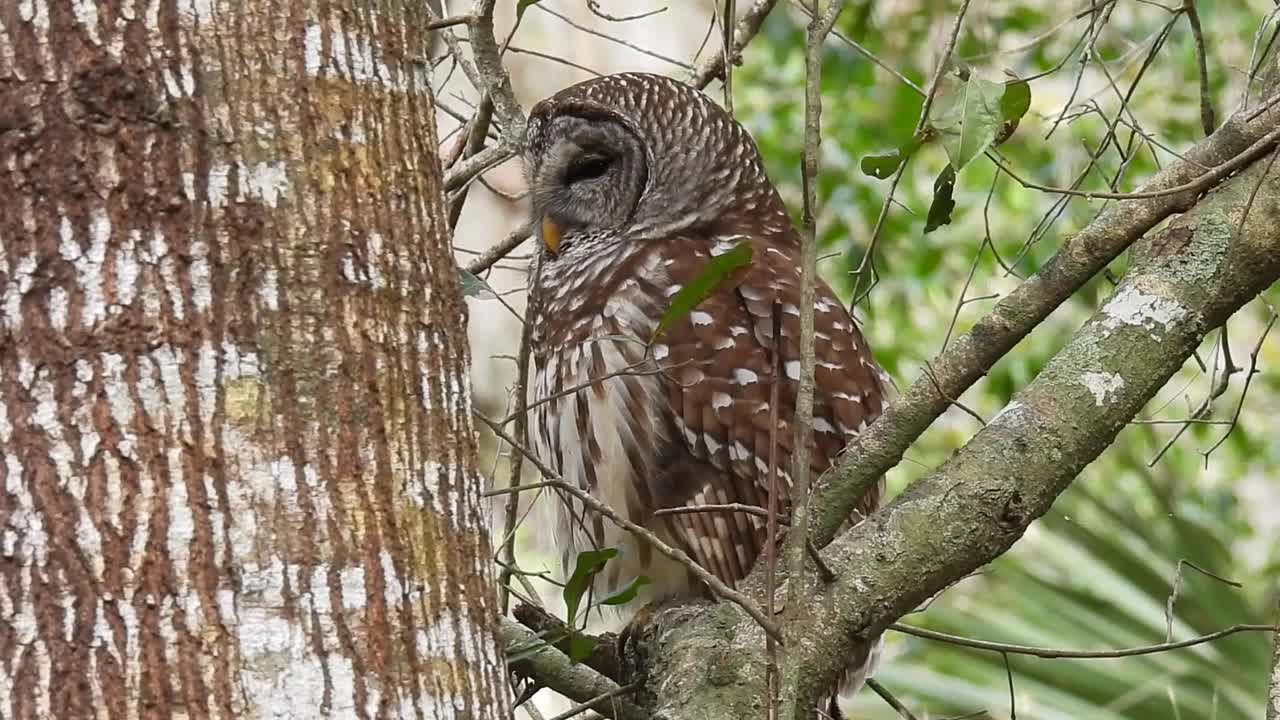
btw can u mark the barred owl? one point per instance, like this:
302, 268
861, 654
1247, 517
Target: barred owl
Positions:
636, 181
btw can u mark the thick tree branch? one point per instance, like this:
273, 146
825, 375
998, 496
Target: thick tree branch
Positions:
1187, 280
882, 445
549, 667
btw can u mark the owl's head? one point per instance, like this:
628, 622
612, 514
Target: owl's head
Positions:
636, 156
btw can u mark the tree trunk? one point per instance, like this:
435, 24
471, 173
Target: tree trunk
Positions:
238, 472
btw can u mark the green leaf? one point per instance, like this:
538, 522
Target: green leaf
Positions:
943, 202
589, 563
883, 166
523, 5
473, 286
627, 592
1015, 101
690, 296
581, 646
969, 117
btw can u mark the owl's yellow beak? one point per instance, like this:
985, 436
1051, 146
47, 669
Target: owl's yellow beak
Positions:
550, 232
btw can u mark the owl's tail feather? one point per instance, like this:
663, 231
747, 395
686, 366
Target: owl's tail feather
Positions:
861, 666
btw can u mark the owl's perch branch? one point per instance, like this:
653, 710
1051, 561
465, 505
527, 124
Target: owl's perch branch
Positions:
879, 448
553, 669
1185, 281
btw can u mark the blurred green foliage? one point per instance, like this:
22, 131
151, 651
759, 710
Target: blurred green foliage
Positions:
1096, 572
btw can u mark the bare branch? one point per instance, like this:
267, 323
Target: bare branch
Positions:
598, 703
508, 550
535, 659
881, 446
1207, 120
616, 40
867, 268
888, 697
594, 7
497, 252
713, 68
495, 82
1050, 653
797, 695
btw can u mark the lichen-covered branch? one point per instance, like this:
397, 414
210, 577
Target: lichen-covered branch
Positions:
882, 445
1186, 281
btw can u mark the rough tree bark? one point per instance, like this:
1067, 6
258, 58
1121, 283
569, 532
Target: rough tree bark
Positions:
237, 467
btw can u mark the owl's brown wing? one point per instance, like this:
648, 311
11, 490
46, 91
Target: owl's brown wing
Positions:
719, 362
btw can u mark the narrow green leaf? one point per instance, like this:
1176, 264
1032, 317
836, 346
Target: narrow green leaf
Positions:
943, 202
1015, 101
473, 286
523, 5
581, 646
883, 166
968, 117
627, 592
589, 563
690, 296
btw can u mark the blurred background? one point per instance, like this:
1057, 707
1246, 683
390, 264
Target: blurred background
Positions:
1100, 570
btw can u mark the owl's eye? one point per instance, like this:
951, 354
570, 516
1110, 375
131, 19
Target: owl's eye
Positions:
587, 167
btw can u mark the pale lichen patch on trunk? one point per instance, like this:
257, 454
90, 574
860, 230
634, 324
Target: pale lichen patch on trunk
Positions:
1102, 385
1136, 307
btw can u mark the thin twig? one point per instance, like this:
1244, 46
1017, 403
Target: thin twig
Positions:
795, 548
449, 22
713, 583
595, 702
1177, 590
1097, 21
867, 264
1207, 119
1248, 379
863, 51
724, 507
772, 676
748, 26
616, 40
1201, 183
1051, 653
1013, 702
522, 434
497, 252
476, 132
888, 697
594, 7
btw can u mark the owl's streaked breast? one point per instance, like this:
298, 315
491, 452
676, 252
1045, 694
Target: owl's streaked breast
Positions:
604, 435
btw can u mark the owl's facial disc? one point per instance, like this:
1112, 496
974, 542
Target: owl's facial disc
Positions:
587, 178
